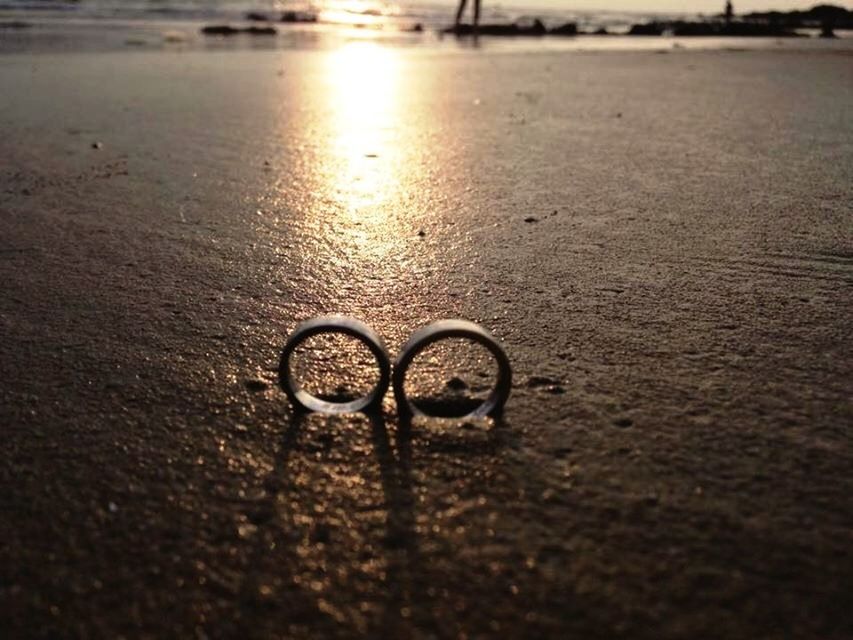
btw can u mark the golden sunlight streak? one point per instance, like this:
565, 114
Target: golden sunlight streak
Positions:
363, 82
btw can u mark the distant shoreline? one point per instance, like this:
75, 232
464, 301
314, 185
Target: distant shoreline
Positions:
425, 15
45, 32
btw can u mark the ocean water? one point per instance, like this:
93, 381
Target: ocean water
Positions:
368, 13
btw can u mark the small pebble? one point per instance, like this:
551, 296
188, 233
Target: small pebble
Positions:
254, 384
97, 145
541, 381
531, 219
457, 384
623, 422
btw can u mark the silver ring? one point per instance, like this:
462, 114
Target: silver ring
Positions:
303, 400
441, 330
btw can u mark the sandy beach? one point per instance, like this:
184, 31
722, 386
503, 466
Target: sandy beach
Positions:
660, 238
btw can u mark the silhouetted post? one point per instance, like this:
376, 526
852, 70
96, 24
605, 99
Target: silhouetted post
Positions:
730, 12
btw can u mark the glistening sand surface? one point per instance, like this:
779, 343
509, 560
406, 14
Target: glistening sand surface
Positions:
686, 282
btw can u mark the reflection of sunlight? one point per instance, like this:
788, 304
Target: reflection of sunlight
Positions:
351, 19
359, 130
363, 95
353, 12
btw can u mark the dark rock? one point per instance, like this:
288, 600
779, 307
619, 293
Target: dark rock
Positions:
531, 219
298, 16
738, 29
568, 29
97, 145
648, 29
817, 17
623, 423
220, 30
533, 27
228, 30
261, 31
696, 29
257, 17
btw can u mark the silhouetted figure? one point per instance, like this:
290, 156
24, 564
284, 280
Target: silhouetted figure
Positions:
730, 12
461, 10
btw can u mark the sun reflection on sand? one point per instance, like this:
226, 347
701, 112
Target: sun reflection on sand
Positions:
364, 161
364, 85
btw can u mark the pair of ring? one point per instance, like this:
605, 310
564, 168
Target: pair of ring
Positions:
419, 341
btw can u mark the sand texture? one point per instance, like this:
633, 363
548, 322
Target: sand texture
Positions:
662, 242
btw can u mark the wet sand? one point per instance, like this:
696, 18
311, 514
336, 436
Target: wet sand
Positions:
662, 242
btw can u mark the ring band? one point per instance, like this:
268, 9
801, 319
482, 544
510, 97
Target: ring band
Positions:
441, 330
303, 400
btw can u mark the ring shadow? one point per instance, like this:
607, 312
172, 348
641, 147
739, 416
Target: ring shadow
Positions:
404, 585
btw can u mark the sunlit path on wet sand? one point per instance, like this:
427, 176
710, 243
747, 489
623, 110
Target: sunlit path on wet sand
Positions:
375, 180
373, 148
365, 83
